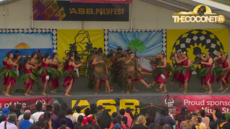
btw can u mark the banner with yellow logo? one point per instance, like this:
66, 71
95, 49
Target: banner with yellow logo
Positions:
80, 40
196, 41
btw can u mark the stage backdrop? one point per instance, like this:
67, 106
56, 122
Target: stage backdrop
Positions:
27, 41
68, 11
147, 42
195, 41
80, 40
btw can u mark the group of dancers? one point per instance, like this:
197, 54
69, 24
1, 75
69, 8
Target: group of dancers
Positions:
119, 67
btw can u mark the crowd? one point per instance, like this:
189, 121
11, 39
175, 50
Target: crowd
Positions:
61, 117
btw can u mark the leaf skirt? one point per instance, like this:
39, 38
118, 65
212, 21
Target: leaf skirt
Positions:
9, 76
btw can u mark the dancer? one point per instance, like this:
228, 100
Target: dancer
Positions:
34, 62
90, 68
163, 76
69, 73
116, 65
186, 63
133, 73
218, 63
56, 65
100, 73
28, 77
226, 68
208, 78
45, 71
176, 76
9, 72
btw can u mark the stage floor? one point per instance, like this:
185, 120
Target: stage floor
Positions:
80, 89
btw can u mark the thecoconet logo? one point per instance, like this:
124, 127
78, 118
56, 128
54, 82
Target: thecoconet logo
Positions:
170, 102
42, 101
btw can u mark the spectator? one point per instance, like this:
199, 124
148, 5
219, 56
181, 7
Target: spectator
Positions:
39, 124
63, 124
100, 109
45, 118
140, 123
167, 117
47, 124
21, 116
151, 126
77, 125
52, 115
114, 115
39, 112
104, 120
117, 126
212, 125
5, 112
93, 109
56, 108
89, 123
11, 123
201, 124
161, 124
222, 123
62, 114
90, 127
187, 124
130, 117
64, 106
150, 116
194, 127
181, 118
205, 119
70, 115
25, 123
11, 108
117, 120
18, 110
2, 118
78, 113
123, 118
166, 126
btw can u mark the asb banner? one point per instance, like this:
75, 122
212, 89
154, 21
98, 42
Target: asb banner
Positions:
141, 104
25, 101
81, 40
103, 1
196, 41
67, 11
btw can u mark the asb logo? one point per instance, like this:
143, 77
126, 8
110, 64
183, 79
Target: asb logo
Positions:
200, 14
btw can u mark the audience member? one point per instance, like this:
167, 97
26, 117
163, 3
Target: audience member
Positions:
130, 117
18, 110
140, 123
57, 124
11, 123
78, 113
11, 108
181, 118
93, 109
49, 109
21, 117
150, 116
90, 122
205, 119
123, 118
115, 121
201, 124
161, 124
5, 112
64, 124
152, 126
167, 117
104, 120
187, 124
47, 124
56, 108
100, 109
25, 123
166, 126
114, 115
70, 115
222, 123
212, 125
38, 113
64, 106
2, 118
46, 117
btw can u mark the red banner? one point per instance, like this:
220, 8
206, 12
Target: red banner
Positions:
102, 1
198, 102
25, 101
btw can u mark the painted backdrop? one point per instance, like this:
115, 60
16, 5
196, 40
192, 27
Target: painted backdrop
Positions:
26, 41
80, 40
196, 41
147, 42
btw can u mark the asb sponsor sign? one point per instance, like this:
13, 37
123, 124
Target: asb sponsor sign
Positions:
102, 1
25, 101
200, 14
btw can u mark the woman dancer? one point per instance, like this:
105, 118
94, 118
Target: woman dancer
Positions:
45, 74
28, 76
69, 73
55, 65
11, 74
133, 73
90, 68
100, 73
208, 78
186, 63
176, 76
161, 79
218, 63
34, 62
226, 67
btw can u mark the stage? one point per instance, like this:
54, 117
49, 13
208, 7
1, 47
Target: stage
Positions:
80, 89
